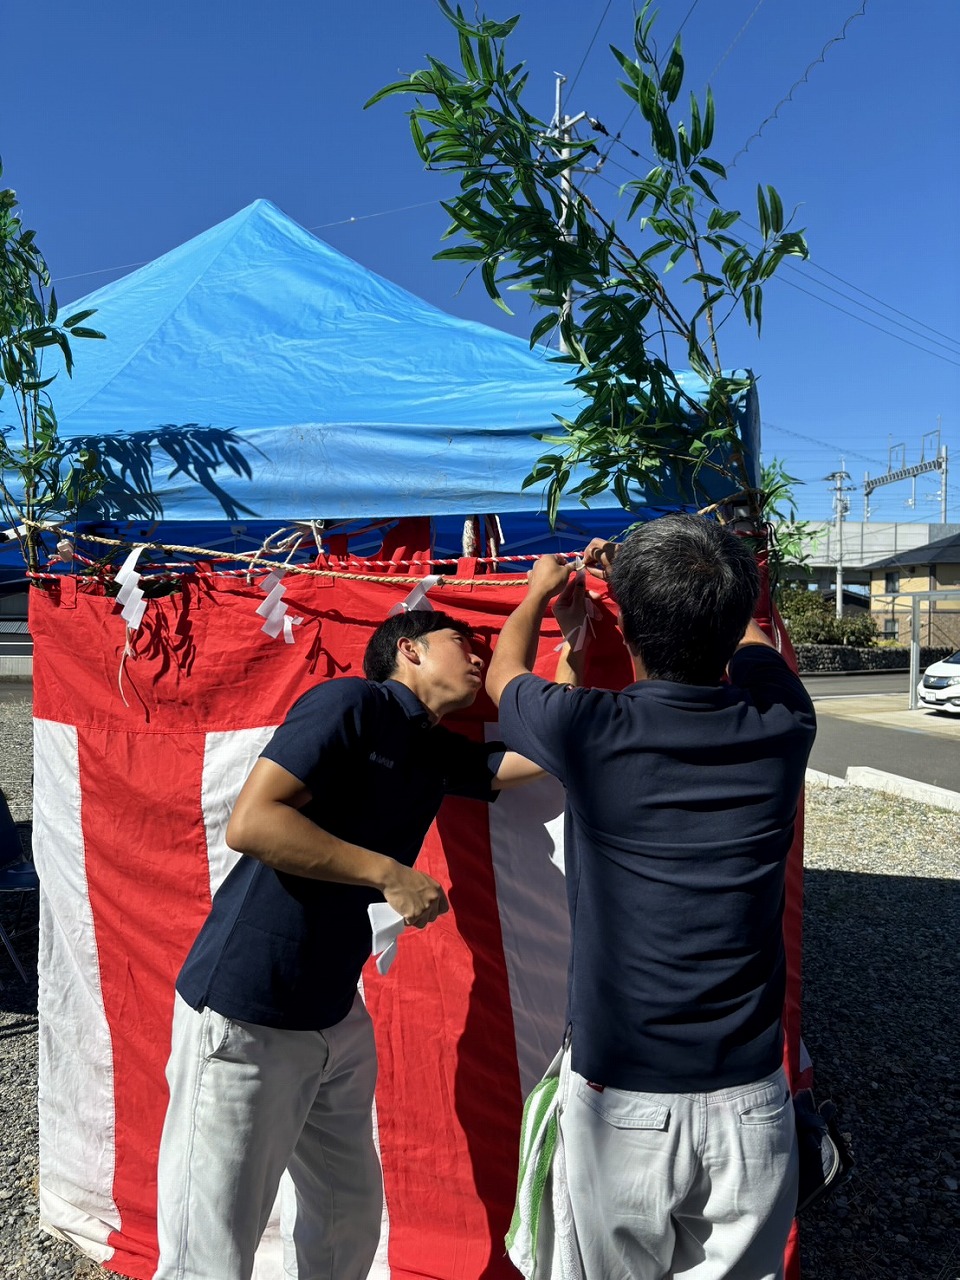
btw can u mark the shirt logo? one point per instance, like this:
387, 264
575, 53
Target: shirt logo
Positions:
378, 759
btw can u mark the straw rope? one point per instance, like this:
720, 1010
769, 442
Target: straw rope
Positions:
252, 559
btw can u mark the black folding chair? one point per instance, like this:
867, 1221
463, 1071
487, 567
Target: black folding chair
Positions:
21, 878
17, 875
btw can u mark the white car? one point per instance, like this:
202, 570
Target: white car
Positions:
940, 686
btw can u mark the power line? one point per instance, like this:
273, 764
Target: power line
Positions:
593, 38
842, 35
822, 285
889, 306
823, 444
323, 226
826, 302
734, 41
626, 119
684, 22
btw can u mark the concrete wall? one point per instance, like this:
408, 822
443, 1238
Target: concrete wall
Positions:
813, 658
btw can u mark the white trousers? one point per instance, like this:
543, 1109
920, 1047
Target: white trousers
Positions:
249, 1106
700, 1186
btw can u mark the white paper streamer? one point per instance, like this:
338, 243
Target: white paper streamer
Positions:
387, 926
130, 594
130, 597
274, 611
417, 599
578, 636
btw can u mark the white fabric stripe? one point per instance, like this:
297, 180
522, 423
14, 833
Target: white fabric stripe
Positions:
76, 1082
526, 845
380, 1268
227, 760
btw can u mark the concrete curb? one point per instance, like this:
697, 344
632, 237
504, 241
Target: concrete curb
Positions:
16, 667
891, 783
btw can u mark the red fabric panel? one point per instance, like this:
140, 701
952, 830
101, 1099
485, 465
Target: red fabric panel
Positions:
448, 1096
148, 900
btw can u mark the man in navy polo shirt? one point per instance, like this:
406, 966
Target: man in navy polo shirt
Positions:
273, 1066
675, 1116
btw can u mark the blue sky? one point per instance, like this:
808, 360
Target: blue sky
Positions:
126, 129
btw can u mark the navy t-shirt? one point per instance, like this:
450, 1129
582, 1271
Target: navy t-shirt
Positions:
681, 803
285, 950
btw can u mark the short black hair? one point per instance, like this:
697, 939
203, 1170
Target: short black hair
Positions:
380, 657
686, 588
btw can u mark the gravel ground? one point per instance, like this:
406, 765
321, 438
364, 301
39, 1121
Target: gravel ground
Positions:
881, 996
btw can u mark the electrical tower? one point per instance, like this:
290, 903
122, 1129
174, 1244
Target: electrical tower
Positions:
894, 474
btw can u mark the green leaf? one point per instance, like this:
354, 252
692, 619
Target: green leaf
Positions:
696, 130
418, 138
655, 250
543, 325
79, 332
398, 86
699, 180
776, 211
714, 166
708, 123
78, 317
629, 66
466, 56
720, 219
763, 212
672, 78
486, 58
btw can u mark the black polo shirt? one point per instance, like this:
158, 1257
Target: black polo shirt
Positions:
284, 950
681, 803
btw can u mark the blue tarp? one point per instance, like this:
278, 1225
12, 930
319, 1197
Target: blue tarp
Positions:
290, 382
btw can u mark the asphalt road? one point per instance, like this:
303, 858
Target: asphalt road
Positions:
855, 684
854, 715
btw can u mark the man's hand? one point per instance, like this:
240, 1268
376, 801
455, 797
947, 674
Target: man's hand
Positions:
548, 576
415, 896
598, 557
570, 606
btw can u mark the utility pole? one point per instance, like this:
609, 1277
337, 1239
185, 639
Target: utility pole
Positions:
560, 128
841, 506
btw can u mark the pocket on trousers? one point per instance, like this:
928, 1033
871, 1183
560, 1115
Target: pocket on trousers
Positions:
767, 1113
625, 1110
216, 1033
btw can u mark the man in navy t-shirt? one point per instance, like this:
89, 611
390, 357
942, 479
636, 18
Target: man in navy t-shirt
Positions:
273, 1066
682, 789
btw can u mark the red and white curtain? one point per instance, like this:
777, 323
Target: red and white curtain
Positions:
137, 761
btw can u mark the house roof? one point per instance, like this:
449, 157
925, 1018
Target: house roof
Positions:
941, 551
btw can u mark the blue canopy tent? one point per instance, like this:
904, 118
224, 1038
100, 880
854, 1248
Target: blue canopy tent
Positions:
277, 379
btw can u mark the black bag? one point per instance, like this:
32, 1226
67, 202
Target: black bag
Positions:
825, 1156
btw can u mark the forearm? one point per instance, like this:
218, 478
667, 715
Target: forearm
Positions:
283, 838
516, 650
755, 634
569, 667
514, 771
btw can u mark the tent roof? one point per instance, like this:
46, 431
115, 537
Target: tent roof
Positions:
256, 346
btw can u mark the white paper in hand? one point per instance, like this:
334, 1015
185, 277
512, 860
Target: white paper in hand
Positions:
387, 926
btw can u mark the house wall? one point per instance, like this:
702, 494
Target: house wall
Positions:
939, 619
